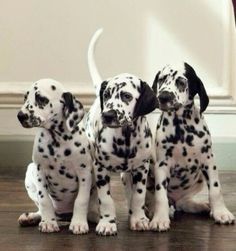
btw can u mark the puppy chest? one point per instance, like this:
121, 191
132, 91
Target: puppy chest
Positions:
62, 182
184, 177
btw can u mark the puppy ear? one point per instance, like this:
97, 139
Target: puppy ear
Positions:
73, 110
147, 101
196, 87
102, 89
154, 85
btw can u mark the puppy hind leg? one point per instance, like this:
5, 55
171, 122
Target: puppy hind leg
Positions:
30, 218
188, 205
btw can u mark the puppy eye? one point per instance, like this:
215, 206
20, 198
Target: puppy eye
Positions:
181, 83
126, 96
106, 95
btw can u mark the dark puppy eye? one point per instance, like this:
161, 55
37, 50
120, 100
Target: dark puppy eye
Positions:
181, 83
106, 95
126, 96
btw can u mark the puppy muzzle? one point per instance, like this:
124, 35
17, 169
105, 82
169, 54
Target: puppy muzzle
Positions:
28, 121
167, 101
114, 119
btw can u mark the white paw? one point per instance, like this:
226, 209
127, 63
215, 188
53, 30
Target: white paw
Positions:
106, 228
159, 224
223, 216
79, 227
139, 223
29, 219
48, 226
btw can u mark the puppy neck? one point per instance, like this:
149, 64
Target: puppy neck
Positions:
188, 112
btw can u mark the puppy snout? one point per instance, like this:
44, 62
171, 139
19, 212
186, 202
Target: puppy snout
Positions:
109, 116
22, 117
165, 97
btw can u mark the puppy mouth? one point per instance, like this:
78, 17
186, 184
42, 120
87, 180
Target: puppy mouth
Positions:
169, 106
118, 124
33, 122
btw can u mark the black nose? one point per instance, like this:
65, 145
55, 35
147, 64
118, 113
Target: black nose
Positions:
22, 116
109, 116
165, 97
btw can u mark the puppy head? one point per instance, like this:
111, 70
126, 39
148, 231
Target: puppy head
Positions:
176, 87
124, 98
46, 103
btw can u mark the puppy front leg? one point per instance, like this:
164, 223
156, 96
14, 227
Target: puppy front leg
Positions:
79, 223
138, 219
161, 220
107, 223
219, 211
48, 222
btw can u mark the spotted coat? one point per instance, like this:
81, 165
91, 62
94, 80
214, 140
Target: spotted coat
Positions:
184, 157
59, 179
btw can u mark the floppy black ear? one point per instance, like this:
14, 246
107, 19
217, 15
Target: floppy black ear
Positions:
73, 110
196, 87
154, 85
147, 101
102, 89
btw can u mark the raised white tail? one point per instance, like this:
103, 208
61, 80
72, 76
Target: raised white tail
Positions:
96, 78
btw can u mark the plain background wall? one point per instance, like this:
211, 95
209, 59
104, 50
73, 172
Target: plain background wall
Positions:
50, 38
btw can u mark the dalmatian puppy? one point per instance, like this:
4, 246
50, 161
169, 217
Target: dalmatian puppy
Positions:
184, 149
59, 178
117, 127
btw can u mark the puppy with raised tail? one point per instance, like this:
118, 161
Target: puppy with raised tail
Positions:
59, 179
118, 129
184, 149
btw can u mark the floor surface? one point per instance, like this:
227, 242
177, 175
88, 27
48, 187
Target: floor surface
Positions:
188, 232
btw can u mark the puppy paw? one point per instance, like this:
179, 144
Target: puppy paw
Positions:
139, 223
79, 227
29, 219
159, 224
48, 226
223, 216
106, 228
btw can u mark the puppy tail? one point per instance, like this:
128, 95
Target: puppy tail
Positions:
96, 78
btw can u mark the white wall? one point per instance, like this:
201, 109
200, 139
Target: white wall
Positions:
50, 38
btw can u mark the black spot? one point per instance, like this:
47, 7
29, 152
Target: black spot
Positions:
139, 190
77, 144
189, 140
196, 120
53, 87
69, 176
83, 151
51, 150
62, 172
67, 152
63, 190
165, 122
216, 184
40, 149
137, 178
158, 187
